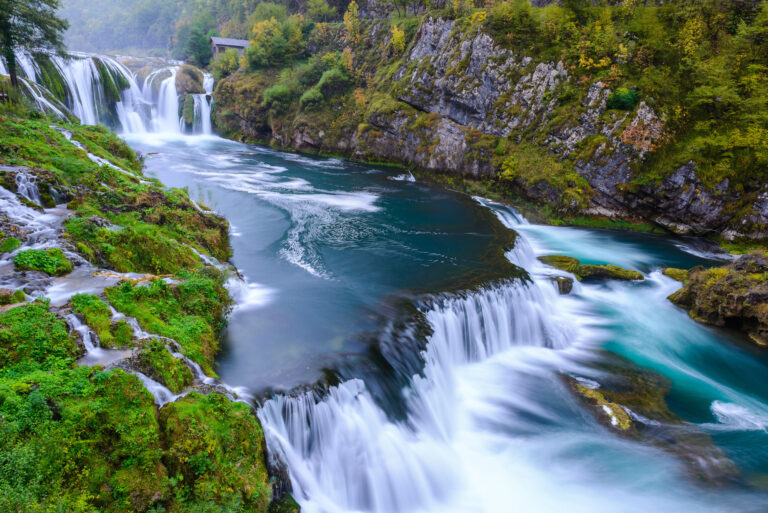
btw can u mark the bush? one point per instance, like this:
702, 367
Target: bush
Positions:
278, 98
623, 99
333, 82
309, 73
225, 64
312, 99
51, 261
9, 244
268, 45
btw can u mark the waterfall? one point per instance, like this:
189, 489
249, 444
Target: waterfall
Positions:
121, 103
202, 123
27, 187
168, 119
344, 454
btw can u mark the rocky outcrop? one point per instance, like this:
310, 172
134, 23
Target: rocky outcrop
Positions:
590, 271
733, 296
459, 103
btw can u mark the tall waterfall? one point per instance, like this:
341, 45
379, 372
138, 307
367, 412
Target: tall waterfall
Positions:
121, 103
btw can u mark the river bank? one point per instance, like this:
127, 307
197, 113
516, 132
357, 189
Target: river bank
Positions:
107, 390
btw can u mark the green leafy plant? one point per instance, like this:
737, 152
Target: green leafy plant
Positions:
51, 261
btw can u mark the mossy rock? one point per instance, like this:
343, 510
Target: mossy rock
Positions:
680, 275
590, 271
284, 504
564, 284
11, 297
733, 296
158, 363
631, 401
51, 261
10, 244
562, 262
609, 272
217, 447
189, 80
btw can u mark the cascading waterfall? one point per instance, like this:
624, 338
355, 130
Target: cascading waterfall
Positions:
168, 119
139, 109
202, 123
344, 454
27, 187
488, 427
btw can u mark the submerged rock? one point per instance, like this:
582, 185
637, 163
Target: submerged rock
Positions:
733, 296
590, 271
631, 402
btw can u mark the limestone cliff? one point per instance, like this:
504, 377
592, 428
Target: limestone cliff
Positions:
456, 102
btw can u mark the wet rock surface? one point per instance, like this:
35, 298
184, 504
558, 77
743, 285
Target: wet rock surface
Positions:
733, 296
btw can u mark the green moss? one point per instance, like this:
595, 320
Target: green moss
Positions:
217, 450
590, 271
680, 275
98, 317
11, 297
51, 261
31, 337
9, 244
79, 440
192, 312
617, 416
285, 504
158, 363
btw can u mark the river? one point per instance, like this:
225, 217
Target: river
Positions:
474, 416
403, 364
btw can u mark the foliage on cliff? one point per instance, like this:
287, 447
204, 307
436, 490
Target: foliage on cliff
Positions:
733, 296
593, 108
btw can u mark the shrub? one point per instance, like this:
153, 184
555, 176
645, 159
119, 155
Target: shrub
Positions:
278, 98
225, 64
333, 82
51, 261
312, 99
268, 45
623, 99
9, 244
309, 73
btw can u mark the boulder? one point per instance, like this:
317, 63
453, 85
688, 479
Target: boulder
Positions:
590, 271
733, 296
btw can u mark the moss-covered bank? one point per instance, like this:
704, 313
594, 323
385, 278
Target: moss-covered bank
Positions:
83, 439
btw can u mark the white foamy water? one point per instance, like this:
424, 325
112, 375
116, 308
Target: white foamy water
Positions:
489, 425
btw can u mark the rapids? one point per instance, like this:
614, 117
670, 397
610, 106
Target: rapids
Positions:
460, 406
399, 370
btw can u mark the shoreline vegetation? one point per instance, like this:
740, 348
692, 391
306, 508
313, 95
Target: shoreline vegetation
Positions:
79, 436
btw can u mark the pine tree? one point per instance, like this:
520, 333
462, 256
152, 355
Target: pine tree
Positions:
29, 25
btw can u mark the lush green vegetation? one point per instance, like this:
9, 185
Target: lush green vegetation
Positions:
81, 439
191, 312
51, 261
217, 452
9, 244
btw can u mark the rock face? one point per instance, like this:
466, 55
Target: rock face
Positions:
455, 99
734, 296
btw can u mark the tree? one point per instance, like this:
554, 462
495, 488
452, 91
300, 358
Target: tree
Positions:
29, 25
319, 10
352, 22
